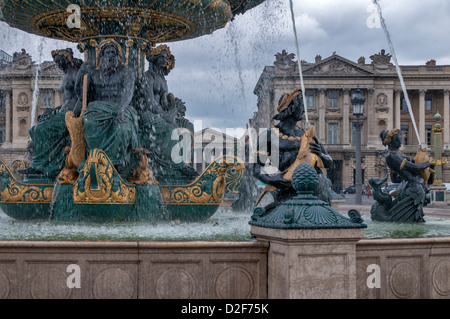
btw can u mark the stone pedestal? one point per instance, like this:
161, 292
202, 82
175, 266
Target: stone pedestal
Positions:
438, 195
311, 263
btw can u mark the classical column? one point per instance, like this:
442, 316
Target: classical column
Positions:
322, 123
446, 113
8, 124
390, 104
58, 98
372, 135
422, 115
345, 118
397, 109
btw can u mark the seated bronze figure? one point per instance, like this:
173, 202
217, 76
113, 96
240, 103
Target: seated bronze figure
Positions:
295, 146
406, 204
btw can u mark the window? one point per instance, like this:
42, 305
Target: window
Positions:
2, 100
332, 100
404, 106
47, 97
333, 133
428, 99
429, 134
405, 132
23, 127
309, 99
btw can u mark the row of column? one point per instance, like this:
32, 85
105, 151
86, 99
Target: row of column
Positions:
346, 106
421, 120
11, 113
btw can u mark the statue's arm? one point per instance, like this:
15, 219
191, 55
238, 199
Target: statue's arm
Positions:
320, 151
85, 68
151, 103
158, 109
415, 168
276, 180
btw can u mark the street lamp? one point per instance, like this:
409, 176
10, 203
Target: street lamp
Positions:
358, 110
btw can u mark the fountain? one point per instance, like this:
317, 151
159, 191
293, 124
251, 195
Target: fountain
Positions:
115, 164
112, 165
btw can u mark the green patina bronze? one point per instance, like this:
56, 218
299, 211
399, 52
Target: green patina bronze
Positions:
105, 154
305, 211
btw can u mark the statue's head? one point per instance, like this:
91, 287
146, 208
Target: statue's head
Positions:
109, 55
392, 138
64, 59
162, 56
291, 105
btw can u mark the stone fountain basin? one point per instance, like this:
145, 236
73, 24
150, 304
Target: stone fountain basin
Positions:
223, 225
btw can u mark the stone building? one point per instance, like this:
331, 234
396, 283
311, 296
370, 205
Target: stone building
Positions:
24, 84
210, 144
329, 84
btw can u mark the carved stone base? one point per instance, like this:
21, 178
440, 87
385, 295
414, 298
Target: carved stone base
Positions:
438, 195
311, 263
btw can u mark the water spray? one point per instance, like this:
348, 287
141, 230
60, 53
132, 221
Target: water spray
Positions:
302, 83
241, 81
399, 72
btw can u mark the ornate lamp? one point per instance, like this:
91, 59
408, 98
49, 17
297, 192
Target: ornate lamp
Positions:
358, 109
358, 103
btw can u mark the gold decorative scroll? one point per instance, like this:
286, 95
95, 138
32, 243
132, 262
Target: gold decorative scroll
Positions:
14, 191
100, 183
225, 172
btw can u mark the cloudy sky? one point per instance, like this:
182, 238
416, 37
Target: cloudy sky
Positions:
216, 74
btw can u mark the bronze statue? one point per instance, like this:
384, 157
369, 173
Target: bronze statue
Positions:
295, 146
160, 114
156, 91
49, 137
406, 204
110, 121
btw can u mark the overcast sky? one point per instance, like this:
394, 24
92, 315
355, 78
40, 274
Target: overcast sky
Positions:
216, 74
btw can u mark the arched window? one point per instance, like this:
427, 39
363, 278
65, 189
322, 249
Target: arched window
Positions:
23, 127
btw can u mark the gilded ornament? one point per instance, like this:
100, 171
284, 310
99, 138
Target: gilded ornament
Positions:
225, 172
76, 153
142, 175
170, 57
100, 183
14, 191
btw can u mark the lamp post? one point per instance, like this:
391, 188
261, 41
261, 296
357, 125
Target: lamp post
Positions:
358, 110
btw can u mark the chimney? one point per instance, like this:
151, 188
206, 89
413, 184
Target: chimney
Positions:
431, 62
318, 58
362, 60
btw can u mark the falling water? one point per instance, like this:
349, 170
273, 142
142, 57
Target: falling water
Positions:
302, 83
237, 61
35, 95
399, 72
36, 84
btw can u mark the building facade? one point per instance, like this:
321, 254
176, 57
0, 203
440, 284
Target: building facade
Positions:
26, 89
210, 144
329, 84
